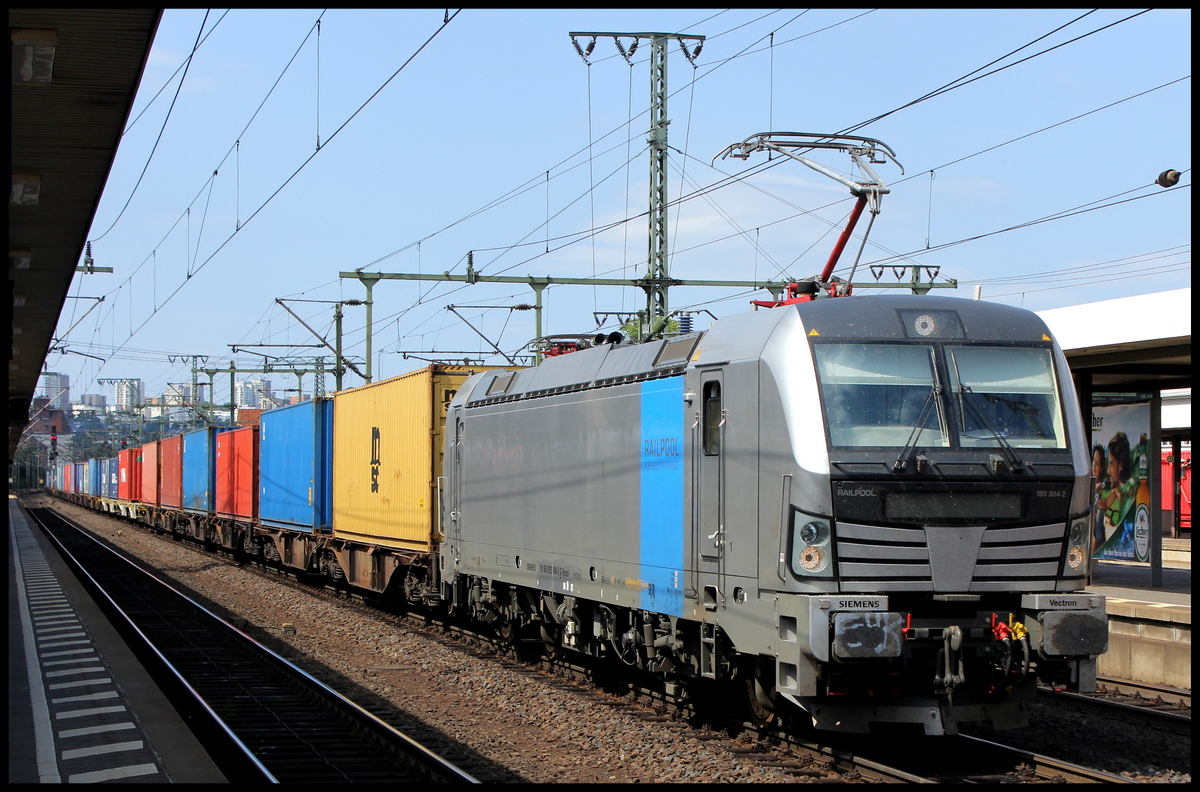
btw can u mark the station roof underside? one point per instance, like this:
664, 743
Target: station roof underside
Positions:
1131, 344
74, 78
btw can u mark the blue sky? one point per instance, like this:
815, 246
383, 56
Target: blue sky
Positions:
490, 134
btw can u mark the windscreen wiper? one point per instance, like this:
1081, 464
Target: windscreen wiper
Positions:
902, 461
1014, 462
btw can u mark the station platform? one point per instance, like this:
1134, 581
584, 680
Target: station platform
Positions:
81, 708
1150, 628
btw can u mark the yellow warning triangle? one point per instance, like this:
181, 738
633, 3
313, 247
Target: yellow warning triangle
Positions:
1045, 337
813, 333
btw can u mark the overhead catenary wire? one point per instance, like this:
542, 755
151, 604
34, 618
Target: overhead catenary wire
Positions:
160, 133
171, 79
547, 240
449, 17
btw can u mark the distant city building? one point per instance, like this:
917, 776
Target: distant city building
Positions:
154, 408
80, 409
252, 393
44, 419
178, 394
94, 400
57, 389
127, 393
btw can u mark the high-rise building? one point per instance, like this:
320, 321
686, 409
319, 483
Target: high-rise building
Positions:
57, 388
128, 393
178, 393
254, 393
94, 400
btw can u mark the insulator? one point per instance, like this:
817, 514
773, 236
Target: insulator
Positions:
1168, 178
591, 46
633, 47
685, 323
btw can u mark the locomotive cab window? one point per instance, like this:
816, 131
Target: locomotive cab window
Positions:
880, 394
712, 418
1006, 391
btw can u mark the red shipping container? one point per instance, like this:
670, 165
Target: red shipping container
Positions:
237, 473
149, 494
129, 474
68, 478
170, 472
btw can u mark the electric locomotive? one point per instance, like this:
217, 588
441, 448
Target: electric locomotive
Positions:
872, 509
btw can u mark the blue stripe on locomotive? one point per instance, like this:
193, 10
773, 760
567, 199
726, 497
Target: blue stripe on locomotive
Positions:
662, 495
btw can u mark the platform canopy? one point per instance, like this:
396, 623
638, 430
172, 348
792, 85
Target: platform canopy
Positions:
74, 77
1130, 344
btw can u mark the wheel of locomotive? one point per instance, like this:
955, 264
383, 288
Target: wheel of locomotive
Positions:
760, 703
760, 691
506, 631
551, 636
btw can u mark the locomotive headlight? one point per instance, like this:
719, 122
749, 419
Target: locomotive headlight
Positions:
812, 533
1078, 547
812, 553
811, 558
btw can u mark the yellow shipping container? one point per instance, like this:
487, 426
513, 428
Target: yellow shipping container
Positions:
387, 456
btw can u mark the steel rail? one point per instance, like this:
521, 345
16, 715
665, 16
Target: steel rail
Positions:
272, 702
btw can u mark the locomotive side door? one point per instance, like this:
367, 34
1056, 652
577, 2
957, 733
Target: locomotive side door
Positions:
708, 513
454, 510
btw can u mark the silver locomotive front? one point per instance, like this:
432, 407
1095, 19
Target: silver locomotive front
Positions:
933, 555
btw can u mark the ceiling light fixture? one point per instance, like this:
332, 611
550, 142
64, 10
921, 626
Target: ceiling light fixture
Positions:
33, 55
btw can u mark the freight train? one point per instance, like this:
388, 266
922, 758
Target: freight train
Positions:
859, 511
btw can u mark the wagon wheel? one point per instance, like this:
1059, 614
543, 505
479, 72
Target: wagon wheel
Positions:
507, 632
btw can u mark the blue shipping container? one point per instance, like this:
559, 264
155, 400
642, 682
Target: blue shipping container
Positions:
296, 466
199, 458
111, 471
96, 477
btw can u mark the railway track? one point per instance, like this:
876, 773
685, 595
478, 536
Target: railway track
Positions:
1155, 695
1140, 712
964, 759
262, 718
958, 759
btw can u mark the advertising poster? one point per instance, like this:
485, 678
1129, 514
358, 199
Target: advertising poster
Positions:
1120, 476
